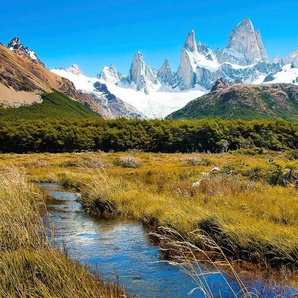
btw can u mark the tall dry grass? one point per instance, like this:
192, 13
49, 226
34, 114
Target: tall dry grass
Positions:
29, 264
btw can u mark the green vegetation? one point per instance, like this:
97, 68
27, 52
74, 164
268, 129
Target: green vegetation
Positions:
30, 265
247, 102
55, 105
151, 136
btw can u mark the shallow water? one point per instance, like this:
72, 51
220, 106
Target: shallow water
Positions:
120, 250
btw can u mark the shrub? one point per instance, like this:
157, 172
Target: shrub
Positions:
127, 162
197, 161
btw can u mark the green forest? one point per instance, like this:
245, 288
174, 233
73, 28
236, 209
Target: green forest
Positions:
169, 136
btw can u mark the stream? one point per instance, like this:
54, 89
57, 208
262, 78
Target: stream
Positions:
121, 250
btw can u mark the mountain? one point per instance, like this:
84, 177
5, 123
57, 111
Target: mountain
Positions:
122, 98
166, 76
22, 81
240, 101
142, 75
195, 68
110, 74
245, 46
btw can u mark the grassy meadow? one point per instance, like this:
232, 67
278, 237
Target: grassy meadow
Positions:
245, 202
30, 265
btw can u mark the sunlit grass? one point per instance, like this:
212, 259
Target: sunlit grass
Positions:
29, 264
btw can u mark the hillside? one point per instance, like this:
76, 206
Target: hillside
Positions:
54, 105
240, 101
22, 82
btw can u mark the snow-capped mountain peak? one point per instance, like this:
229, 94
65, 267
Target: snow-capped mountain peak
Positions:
157, 93
110, 74
196, 68
15, 45
292, 58
74, 69
165, 67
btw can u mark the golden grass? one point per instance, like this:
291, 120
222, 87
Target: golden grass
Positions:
21, 206
29, 264
48, 273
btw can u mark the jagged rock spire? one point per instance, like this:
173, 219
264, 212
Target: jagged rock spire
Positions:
190, 43
166, 68
165, 74
263, 53
141, 74
15, 44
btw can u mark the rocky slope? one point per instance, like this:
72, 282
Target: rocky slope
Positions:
20, 74
235, 100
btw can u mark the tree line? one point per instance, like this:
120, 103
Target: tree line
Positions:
169, 136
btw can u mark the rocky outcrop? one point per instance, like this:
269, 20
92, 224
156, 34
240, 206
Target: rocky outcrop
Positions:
220, 84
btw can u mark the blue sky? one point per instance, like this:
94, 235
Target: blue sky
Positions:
97, 33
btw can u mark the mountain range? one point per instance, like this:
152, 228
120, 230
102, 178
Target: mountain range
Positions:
146, 92
159, 92
244, 59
